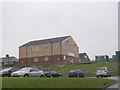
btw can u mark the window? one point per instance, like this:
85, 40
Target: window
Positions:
35, 59
46, 46
29, 49
71, 60
22, 62
55, 46
5, 63
35, 48
105, 57
64, 57
46, 59
32, 48
76, 49
10, 62
66, 46
85, 56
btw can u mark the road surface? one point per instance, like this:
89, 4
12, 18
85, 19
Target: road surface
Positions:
115, 86
112, 87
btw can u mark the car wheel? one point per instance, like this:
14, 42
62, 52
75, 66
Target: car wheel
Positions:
51, 76
26, 75
5, 75
97, 76
81, 76
42, 76
101, 76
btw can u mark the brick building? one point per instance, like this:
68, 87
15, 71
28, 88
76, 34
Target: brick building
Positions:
49, 52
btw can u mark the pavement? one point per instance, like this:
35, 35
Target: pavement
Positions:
114, 86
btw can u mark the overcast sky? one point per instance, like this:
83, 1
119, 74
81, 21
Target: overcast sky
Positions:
93, 25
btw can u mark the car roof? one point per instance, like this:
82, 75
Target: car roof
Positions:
102, 68
74, 70
7, 69
27, 67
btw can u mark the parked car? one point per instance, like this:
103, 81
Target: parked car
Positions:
102, 72
76, 73
52, 74
7, 72
28, 72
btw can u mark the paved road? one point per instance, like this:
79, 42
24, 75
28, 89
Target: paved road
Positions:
115, 86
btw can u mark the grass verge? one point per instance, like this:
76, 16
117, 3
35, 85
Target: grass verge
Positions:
90, 69
55, 82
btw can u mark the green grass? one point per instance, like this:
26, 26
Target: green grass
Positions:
55, 82
64, 81
90, 69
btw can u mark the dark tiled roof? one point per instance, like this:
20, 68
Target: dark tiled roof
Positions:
8, 59
84, 58
45, 41
82, 54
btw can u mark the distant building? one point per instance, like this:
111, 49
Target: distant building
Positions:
49, 52
84, 58
8, 60
117, 55
102, 58
113, 57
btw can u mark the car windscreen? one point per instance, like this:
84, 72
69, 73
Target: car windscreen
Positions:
101, 68
46, 72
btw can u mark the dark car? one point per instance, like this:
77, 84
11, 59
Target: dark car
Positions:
7, 72
76, 73
52, 74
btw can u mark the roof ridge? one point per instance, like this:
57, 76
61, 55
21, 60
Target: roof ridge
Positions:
50, 38
43, 41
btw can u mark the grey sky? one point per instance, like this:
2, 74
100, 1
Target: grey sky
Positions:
93, 25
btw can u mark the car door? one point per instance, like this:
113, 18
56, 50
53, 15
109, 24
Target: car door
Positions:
34, 72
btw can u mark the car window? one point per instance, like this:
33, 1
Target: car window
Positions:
53, 72
46, 72
14, 69
72, 71
25, 69
34, 69
78, 70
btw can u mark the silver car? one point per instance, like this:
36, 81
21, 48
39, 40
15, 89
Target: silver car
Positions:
102, 72
28, 72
